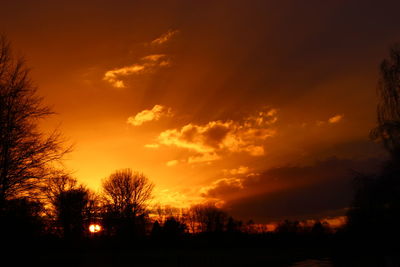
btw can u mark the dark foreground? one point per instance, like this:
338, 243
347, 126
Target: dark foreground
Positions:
117, 253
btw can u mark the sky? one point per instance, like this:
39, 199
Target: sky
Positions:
262, 107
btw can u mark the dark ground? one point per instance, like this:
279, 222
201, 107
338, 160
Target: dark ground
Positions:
272, 253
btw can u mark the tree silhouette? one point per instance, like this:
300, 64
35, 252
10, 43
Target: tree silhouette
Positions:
388, 110
233, 226
156, 231
127, 192
21, 219
25, 152
70, 206
288, 227
376, 205
60, 182
208, 218
173, 228
320, 228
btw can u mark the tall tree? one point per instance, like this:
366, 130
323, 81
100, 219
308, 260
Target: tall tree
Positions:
208, 218
388, 110
375, 209
70, 207
25, 152
127, 192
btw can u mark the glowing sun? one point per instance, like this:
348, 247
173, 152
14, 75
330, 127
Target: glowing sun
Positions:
95, 228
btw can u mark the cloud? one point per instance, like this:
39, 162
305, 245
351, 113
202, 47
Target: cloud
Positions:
172, 163
322, 189
239, 170
112, 76
165, 37
147, 64
211, 140
222, 186
331, 120
335, 119
152, 145
154, 114
208, 157
255, 150
154, 57
182, 198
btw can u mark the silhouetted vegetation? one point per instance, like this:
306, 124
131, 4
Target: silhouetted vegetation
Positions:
126, 195
388, 110
21, 219
373, 217
25, 152
376, 208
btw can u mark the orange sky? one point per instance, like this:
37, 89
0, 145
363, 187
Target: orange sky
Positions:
256, 105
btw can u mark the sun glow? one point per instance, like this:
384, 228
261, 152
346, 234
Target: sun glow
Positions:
95, 228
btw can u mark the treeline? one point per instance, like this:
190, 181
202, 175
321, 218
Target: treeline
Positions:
67, 209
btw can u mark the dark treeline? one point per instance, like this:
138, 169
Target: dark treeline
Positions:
42, 208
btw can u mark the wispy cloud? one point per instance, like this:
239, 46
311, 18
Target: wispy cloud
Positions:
147, 64
152, 145
165, 37
154, 114
239, 170
177, 198
172, 163
207, 157
335, 119
113, 76
331, 120
211, 140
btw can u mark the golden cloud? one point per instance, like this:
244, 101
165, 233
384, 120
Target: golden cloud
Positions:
165, 37
154, 114
172, 163
203, 158
152, 145
176, 198
331, 120
239, 170
211, 140
113, 76
224, 185
335, 119
148, 64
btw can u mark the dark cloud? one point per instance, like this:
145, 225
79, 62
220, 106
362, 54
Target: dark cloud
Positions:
314, 201
215, 135
295, 192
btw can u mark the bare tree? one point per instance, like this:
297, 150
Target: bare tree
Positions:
388, 110
375, 208
60, 182
127, 192
70, 205
25, 152
191, 218
207, 218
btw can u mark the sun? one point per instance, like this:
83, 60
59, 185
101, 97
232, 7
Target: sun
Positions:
95, 228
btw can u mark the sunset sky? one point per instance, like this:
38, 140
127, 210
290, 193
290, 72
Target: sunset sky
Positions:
261, 106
